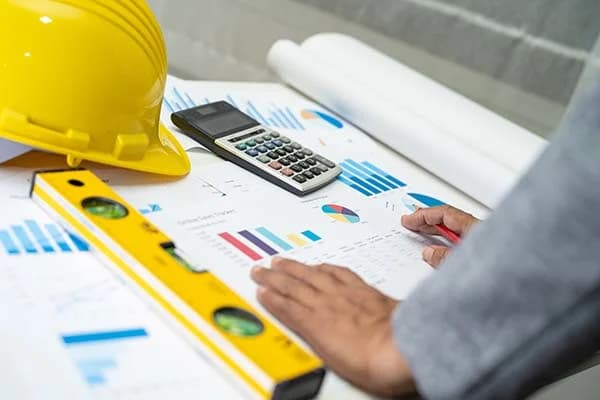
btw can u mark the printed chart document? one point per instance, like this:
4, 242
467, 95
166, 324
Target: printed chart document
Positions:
72, 330
63, 305
233, 219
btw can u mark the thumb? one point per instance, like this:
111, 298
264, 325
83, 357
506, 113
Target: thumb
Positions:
435, 255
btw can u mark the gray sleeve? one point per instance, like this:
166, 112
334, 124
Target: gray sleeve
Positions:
519, 301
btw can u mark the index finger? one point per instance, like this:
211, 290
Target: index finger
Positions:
424, 219
304, 273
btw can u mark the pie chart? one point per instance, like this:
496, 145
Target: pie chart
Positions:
340, 213
427, 201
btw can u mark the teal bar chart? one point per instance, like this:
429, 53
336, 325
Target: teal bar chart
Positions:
367, 179
32, 237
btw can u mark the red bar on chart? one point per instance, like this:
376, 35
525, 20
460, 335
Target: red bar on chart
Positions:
254, 256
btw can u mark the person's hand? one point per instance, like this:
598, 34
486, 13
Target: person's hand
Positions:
345, 321
424, 220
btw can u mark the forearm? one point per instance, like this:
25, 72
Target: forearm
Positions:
522, 292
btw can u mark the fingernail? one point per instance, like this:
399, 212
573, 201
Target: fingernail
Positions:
276, 260
260, 292
255, 270
427, 253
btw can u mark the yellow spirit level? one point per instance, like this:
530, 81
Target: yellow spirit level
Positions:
220, 322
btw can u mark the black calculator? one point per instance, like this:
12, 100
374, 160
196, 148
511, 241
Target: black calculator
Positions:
236, 137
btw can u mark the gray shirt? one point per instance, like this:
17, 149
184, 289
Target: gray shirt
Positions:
518, 302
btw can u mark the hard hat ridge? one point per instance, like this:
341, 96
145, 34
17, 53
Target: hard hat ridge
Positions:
128, 16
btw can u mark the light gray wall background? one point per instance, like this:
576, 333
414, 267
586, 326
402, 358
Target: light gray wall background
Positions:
522, 59
519, 58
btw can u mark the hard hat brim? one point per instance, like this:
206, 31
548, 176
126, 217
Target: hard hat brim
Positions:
166, 157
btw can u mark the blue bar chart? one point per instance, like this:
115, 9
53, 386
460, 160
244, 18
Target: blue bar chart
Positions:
267, 113
32, 237
176, 99
366, 178
96, 354
261, 242
150, 209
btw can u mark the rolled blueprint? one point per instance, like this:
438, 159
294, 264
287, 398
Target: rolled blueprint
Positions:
471, 123
411, 134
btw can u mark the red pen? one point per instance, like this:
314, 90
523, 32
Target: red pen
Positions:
446, 232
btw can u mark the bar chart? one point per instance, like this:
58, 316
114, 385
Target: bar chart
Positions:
261, 242
150, 208
177, 99
96, 354
266, 113
271, 115
366, 178
33, 237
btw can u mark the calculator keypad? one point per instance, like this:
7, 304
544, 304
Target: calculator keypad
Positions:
279, 153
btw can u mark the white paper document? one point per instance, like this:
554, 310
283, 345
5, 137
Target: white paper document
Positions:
62, 308
9, 150
70, 329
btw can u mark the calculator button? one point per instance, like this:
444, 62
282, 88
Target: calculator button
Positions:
280, 152
259, 140
275, 165
252, 152
296, 146
322, 168
315, 171
264, 159
284, 161
260, 131
296, 168
308, 152
292, 158
287, 172
300, 155
304, 165
299, 178
308, 174
275, 134
250, 143
288, 148
311, 161
273, 155
267, 137
285, 140
270, 145
277, 143
240, 146
262, 149
325, 161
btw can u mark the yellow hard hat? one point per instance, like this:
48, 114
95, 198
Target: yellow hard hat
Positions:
86, 78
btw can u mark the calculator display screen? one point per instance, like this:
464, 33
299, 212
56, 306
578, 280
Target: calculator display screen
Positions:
220, 124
